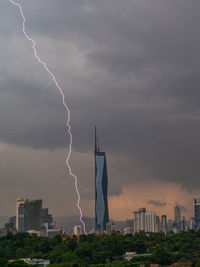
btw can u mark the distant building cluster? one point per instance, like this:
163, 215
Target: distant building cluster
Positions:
146, 221
149, 222
32, 218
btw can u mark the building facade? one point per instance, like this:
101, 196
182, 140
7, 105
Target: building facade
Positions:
101, 189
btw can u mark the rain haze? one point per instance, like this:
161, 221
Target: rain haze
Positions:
130, 67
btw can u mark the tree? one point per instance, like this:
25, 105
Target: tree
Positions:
17, 263
3, 262
162, 255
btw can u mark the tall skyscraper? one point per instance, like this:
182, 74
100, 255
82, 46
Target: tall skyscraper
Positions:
177, 214
150, 222
197, 212
177, 218
139, 220
28, 214
101, 189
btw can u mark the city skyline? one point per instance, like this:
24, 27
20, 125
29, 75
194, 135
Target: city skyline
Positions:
33, 218
132, 68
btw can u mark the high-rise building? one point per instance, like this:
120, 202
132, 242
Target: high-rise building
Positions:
28, 215
139, 220
191, 223
32, 215
197, 212
20, 202
177, 214
177, 217
158, 226
183, 224
150, 222
164, 223
101, 189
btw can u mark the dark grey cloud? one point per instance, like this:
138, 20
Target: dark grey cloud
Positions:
156, 203
130, 67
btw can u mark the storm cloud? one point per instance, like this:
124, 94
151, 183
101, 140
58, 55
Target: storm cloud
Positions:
130, 67
157, 203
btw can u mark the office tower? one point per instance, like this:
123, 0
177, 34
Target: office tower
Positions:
197, 213
150, 222
139, 220
164, 223
101, 188
177, 218
158, 225
32, 215
46, 217
28, 216
78, 230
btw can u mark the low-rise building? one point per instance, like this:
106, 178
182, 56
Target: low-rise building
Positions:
34, 232
38, 262
78, 230
128, 230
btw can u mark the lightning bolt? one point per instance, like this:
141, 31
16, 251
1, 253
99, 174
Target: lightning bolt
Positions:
64, 104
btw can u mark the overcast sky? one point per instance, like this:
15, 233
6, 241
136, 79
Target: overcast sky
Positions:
130, 67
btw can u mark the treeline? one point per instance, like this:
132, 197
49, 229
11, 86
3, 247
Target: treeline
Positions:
102, 251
